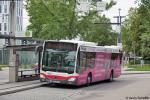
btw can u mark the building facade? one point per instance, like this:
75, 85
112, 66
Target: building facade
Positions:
5, 20
84, 6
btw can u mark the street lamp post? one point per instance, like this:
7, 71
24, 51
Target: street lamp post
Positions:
119, 21
119, 35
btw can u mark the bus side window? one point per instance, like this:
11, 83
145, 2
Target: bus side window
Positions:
78, 59
120, 58
113, 57
86, 60
90, 59
116, 59
46, 60
82, 59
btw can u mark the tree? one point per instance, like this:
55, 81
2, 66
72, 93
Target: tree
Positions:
49, 19
58, 19
136, 31
144, 11
100, 33
131, 32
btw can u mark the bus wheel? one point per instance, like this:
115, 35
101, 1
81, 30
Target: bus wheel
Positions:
89, 80
111, 78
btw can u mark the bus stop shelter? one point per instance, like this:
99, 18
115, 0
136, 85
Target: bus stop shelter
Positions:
27, 64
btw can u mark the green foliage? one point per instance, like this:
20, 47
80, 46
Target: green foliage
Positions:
131, 32
2, 66
140, 68
27, 33
50, 18
134, 62
136, 31
100, 33
109, 5
58, 19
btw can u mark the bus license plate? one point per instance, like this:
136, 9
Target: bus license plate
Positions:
56, 81
49, 81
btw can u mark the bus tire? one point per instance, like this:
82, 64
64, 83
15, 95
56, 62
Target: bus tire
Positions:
89, 79
111, 78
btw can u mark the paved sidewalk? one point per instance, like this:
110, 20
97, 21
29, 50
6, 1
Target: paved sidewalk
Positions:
4, 75
126, 72
135, 72
6, 87
18, 86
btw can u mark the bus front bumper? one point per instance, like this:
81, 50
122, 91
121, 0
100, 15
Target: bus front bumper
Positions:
50, 81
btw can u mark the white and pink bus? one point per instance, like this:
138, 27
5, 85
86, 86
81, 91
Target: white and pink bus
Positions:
79, 62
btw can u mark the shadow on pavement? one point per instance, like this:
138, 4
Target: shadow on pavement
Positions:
95, 85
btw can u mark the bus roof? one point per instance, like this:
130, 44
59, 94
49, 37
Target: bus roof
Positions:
90, 46
109, 49
74, 42
113, 47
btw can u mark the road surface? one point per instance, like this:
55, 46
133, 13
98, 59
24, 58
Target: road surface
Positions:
127, 87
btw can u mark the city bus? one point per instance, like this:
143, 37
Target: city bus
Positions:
79, 62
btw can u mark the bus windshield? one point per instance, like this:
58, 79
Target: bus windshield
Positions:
58, 60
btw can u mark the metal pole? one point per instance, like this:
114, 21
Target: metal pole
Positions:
134, 55
2, 55
119, 21
39, 61
119, 25
12, 57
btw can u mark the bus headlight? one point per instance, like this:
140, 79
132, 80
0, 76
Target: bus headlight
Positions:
42, 76
72, 79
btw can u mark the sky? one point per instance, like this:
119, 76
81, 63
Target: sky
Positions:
124, 5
